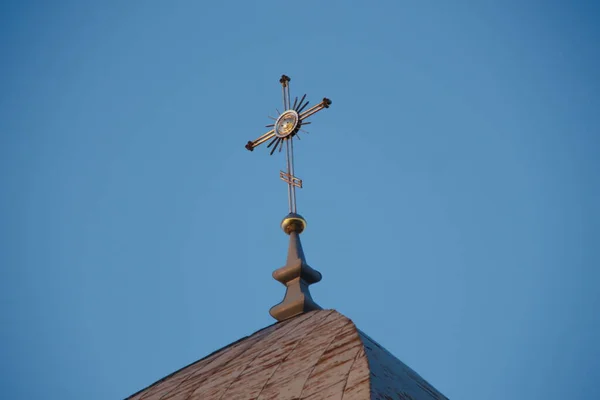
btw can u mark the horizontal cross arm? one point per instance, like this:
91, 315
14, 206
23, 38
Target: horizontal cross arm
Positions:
290, 179
252, 144
325, 103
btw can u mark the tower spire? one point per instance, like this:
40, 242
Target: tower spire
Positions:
296, 274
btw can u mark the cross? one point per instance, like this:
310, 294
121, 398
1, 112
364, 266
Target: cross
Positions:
287, 125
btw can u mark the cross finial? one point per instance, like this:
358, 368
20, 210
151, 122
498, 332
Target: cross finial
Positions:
296, 275
286, 127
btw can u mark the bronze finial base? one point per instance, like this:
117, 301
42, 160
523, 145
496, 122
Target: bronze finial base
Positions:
296, 275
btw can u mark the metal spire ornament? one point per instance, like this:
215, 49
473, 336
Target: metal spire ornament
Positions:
296, 274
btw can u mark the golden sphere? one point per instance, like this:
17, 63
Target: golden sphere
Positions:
293, 223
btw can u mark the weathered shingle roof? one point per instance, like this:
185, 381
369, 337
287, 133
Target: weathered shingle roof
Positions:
316, 355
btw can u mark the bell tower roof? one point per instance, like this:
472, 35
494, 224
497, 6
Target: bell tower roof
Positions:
317, 355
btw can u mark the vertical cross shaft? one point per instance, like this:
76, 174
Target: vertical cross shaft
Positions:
289, 146
289, 155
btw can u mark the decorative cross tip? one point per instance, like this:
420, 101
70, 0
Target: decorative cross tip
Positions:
284, 79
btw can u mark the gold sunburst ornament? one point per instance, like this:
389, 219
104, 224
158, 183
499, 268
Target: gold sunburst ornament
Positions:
285, 128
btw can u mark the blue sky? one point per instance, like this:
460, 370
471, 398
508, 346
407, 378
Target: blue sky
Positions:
451, 190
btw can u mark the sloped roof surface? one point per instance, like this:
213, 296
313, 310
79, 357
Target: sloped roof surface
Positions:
315, 356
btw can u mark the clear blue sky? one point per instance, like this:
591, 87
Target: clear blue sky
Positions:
451, 191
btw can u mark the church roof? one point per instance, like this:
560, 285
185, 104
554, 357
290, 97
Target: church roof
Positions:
316, 355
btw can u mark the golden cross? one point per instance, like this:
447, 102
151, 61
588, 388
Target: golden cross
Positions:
287, 125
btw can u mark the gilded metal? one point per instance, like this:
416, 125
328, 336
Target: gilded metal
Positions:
287, 124
293, 223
